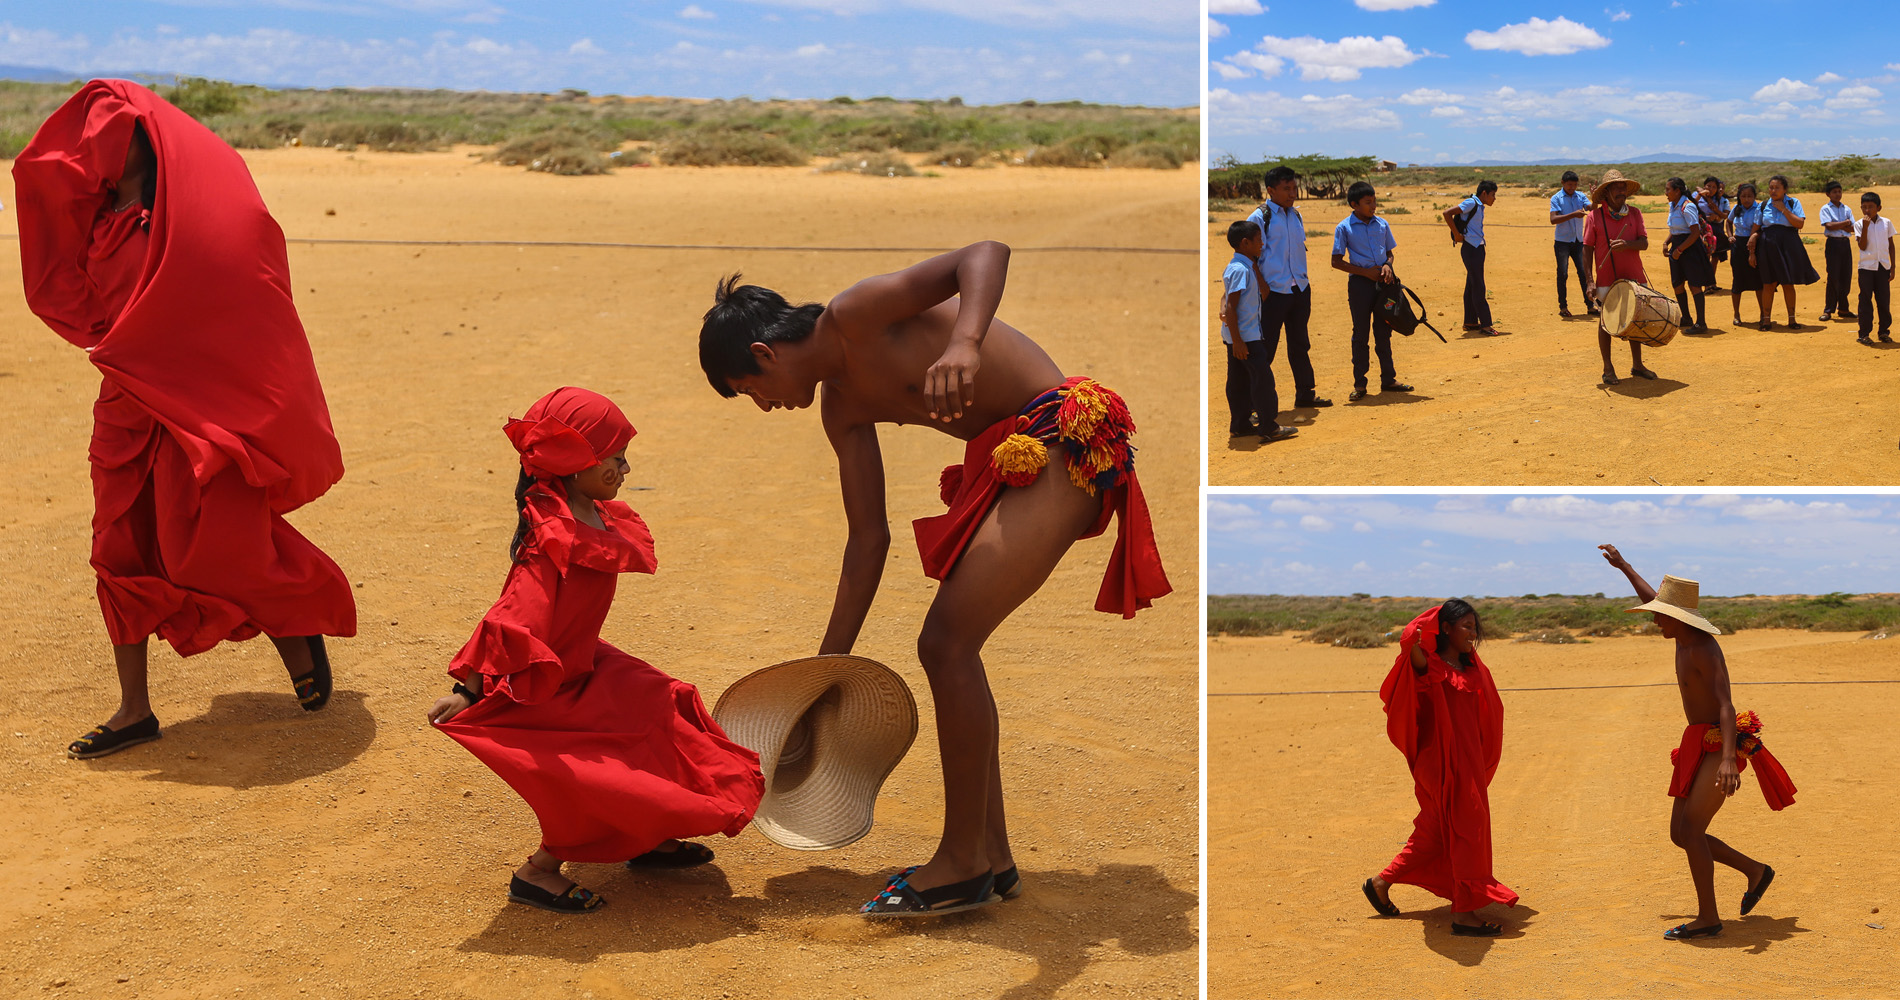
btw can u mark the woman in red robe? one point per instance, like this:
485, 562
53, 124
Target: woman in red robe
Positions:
1443, 713
615, 758
144, 241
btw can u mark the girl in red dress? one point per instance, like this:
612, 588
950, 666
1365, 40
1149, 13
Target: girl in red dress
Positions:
615, 758
1444, 714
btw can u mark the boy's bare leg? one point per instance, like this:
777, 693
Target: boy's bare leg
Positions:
135, 697
295, 651
1688, 829
1025, 535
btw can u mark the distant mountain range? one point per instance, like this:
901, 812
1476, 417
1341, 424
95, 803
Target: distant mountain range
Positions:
42, 74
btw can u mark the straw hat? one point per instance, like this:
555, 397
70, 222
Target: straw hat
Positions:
828, 730
1677, 598
1614, 177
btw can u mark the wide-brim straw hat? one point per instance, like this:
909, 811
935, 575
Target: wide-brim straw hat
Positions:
1614, 177
1678, 598
828, 730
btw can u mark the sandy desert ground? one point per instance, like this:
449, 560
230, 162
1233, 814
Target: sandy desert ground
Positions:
260, 851
1307, 799
1737, 406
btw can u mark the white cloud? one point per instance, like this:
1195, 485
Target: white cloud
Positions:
1229, 517
1342, 60
1392, 4
1362, 567
1785, 89
1538, 37
1228, 71
694, 12
1854, 97
1611, 123
1215, 29
1448, 111
814, 50
1235, 8
586, 47
1617, 15
1426, 95
1267, 66
1312, 522
1362, 527
1297, 567
1829, 78
1429, 544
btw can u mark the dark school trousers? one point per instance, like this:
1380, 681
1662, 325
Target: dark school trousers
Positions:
1359, 293
1875, 284
1250, 390
1840, 272
1291, 312
1477, 309
1569, 251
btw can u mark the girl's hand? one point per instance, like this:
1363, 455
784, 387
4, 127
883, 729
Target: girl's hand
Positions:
447, 707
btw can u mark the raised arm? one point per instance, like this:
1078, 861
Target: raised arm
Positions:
1644, 592
868, 530
975, 275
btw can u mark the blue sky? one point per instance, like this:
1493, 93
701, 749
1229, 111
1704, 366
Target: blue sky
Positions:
985, 51
1414, 545
1447, 81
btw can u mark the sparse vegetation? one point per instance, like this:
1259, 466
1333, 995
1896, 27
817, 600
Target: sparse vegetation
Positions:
873, 165
560, 151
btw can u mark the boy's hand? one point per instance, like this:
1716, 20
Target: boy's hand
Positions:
1240, 350
950, 384
447, 707
1612, 556
1728, 777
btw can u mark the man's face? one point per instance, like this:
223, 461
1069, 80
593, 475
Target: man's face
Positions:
1671, 628
1615, 195
1284, 193
777, 385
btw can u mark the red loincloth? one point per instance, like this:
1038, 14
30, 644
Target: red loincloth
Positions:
613, 756
1134, 577
210, 423
1776, 787
1450, 725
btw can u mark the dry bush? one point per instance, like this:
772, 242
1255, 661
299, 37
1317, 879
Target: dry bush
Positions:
963, 156
1147, 156
557, 151
1091, 149
1349, 634
1555, 636
884, 164
730, 149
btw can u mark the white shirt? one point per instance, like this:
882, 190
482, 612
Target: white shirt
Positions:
1875, 256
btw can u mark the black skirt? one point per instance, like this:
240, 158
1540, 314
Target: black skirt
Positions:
1747, 276
1783, 259
1694, 266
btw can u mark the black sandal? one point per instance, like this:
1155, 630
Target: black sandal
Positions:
1386, 908
900, 900
103, 740
313, 689
1481, 930
1753, 896
1009, 884
1683, 932
574, 900
686, 855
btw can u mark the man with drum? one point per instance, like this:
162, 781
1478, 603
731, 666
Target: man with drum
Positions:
1614, 232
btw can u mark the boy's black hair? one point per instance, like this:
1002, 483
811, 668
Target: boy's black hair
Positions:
1873, 196
1242, 231
1832, 186
1569, 175
1487, 185
1450, 612
1279, 175
1748, 186
1675, 184
1359, 189
743, 315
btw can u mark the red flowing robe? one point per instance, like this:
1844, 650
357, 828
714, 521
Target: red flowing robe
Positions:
1449, 723
613, 756
210, 423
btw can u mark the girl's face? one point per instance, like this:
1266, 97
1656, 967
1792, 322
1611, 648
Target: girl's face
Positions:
1463, 633
1776, 190
603, 481
1748, 197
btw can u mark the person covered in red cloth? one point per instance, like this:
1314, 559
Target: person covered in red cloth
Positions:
1047, 461
144, 241
616, 759
1443, 712
1717, 746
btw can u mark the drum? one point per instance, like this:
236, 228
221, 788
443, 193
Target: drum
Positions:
1641, 314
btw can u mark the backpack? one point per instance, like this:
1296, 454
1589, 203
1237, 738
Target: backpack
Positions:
1463, 219
1389, 307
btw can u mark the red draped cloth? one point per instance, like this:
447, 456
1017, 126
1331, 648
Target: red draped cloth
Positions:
210, 423
1134, 577
1776, 787
613, 756
1449, 723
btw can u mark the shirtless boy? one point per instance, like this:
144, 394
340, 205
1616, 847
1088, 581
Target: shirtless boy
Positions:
923, 346
1707, 770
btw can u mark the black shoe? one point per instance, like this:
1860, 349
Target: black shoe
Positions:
1314, 401
1886, 338
1278, 434
574, 900
102, 740
1864, 339
1753, 896
1824, 318
1358, 393
901, 900
1385, 907
1482, 930
1009, 883
1844, 314
313, 689
1395, 387
687, 855
1682, 932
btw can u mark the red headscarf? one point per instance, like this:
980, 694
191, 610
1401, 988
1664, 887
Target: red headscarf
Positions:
567, 431
1404, 690
208, 341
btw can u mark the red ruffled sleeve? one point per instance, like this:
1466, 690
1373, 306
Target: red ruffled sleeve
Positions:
509, 648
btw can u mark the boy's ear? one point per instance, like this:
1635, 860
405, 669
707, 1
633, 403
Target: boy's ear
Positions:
763, 352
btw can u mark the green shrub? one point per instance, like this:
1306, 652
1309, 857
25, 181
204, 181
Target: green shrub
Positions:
557, 151
730, 149
1147, 155
872, 165
201, 98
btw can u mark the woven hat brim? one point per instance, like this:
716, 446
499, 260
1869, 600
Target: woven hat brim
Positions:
1635, 188
1683, 615
855, 743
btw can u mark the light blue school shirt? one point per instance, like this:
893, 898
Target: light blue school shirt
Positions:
1564, 204
1283, 256
1831, 212
1683, 216
1745, 219
1474, 232
1364, 242
1239, 278
1774, 213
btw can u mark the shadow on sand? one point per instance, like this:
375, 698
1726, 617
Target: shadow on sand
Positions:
1435, 924
1753, 933
249, 739
1643, 388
